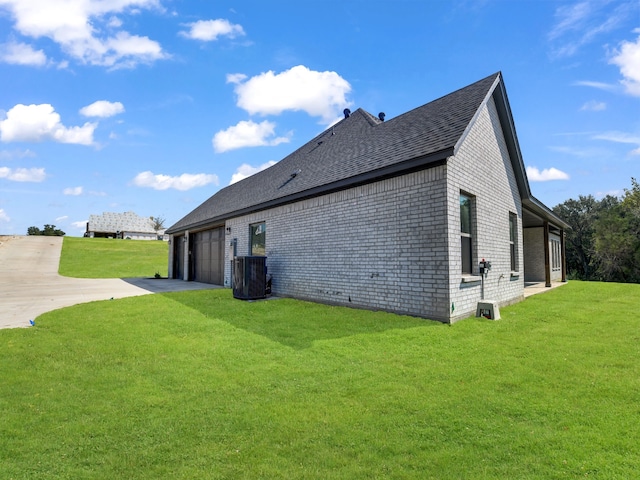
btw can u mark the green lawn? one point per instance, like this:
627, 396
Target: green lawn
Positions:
199, 385
110, 258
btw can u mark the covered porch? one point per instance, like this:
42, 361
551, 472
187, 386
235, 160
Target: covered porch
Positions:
543, 240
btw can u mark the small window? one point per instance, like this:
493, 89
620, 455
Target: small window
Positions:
513, 241
258, 239
556, 255
466, 234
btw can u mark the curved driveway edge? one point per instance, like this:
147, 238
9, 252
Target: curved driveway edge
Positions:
30, 284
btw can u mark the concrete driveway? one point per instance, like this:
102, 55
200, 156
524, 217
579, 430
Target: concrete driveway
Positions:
30, 284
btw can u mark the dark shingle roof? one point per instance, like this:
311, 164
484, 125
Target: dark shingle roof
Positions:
357, 149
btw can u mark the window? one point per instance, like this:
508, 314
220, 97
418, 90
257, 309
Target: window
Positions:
257, 240
466, 234
513, 241
556, 255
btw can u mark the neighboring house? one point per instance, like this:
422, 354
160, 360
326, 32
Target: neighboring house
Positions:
393, 215
126, 225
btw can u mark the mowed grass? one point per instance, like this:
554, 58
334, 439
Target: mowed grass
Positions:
199, 385
111, 258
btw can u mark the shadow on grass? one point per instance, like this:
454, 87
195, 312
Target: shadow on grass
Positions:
294, 323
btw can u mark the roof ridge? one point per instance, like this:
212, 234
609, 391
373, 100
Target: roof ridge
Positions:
372, 119
351, 150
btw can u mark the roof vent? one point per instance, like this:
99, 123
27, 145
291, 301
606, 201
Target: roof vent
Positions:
381, 116
346, 112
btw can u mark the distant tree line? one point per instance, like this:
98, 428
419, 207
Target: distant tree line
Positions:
604, 240
48, 230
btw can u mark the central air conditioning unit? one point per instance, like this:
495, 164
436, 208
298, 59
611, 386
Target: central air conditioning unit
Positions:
249, 277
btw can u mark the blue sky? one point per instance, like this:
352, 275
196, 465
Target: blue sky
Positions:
152, 106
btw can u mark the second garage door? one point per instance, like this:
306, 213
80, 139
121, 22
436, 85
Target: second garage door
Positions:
208, 256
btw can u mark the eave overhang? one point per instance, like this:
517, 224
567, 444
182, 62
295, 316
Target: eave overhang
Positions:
408, 166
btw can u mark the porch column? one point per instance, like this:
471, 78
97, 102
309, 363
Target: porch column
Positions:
547, 266
563, 259
171, 257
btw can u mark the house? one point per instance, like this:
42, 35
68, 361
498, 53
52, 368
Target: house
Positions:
126, 225
393, 215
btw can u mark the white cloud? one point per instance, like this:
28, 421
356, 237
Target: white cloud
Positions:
23, 174
186, 181
247, 134
594, 106
621, 137
245, 170
12, 154
75, 191
22, 54
618, 137
102, 108
81, 224
36, 123
64, 217
3, 216
210, 30
545, 175
236, 77
581, 152
115, 22
627, 57
86, 29
319, 94
599, 85
580, 23
613, 193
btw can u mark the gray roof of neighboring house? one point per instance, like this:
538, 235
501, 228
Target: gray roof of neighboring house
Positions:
360, 149
110, 222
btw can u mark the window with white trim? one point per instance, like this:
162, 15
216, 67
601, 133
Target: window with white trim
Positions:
258, 236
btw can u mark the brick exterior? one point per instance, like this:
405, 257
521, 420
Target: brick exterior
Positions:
534, 254
387, 245
379, 246
482, 168
372, 217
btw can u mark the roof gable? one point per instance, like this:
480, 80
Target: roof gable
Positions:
113, 222
356, 150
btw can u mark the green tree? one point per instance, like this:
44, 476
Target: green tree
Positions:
158, 223
617, 239
581, 216
49, 230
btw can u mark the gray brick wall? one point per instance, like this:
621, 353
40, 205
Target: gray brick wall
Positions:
534, 255
395, 244
380, 246
482, 167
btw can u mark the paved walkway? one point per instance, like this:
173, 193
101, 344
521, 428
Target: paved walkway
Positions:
30, 284
535, 288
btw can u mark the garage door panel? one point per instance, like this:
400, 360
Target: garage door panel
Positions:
208, 259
